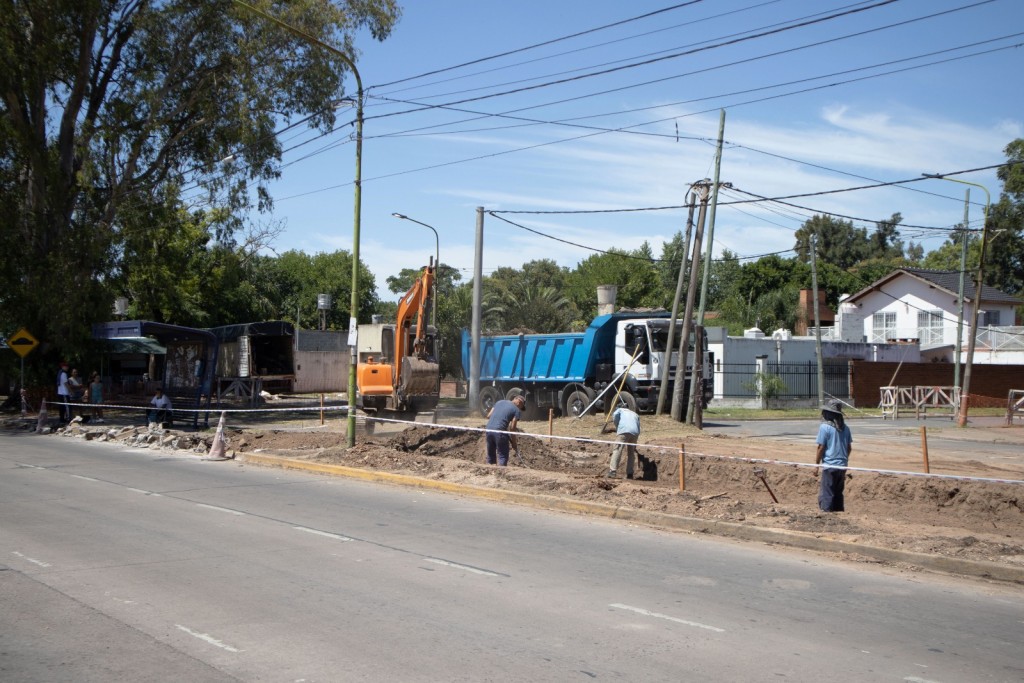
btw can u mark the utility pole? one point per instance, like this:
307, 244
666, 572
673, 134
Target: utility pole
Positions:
474, 349
711, 241
960, 297
666, 363
679, 393
817, 320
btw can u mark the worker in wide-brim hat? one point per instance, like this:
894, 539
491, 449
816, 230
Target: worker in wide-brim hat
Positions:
835, 441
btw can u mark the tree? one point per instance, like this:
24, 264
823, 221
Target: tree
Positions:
1005, 255
634, 274
839, 243
109, 104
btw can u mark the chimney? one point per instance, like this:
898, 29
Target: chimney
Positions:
606, 299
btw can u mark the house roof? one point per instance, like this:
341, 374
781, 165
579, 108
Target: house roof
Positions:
946, 280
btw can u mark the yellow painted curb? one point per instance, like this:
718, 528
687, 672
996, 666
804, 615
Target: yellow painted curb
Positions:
793, 539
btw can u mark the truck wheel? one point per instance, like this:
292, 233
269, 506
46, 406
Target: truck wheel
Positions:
576, 402
627, 400
488, 397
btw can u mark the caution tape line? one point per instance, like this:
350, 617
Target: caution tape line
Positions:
575, 439
715, 456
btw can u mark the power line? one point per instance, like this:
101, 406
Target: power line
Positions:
541, 44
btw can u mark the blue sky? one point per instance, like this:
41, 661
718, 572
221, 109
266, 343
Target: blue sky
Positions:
437, 165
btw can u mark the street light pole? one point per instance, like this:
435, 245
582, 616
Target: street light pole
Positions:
437, 264
972, 335
357, 205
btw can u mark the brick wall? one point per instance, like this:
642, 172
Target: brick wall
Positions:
990, 384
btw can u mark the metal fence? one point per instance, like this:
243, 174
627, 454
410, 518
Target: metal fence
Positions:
799, 380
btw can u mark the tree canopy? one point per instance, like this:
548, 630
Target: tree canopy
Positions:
116, 113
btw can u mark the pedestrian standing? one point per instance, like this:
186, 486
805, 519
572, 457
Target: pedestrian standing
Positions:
96, 397
627, 428
835, 442
63, 392
503, 418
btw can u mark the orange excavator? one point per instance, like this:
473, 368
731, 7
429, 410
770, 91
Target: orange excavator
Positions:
405, 377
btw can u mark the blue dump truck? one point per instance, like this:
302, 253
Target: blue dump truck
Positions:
568, 371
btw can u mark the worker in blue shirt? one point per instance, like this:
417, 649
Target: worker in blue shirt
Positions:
834, 445
503, 418
627, 427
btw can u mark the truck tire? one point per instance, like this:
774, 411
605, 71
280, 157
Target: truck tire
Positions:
576, 402
488, 397
626, 400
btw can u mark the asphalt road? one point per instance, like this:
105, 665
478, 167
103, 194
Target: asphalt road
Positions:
120, 565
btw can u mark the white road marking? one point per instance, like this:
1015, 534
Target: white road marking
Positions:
207, 638
322, 533
35, 467
144, 492
915, 679
474, 570
30, 559
220, 509
79, 476
646, 613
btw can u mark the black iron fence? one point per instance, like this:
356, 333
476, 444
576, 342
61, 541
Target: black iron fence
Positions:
784, 380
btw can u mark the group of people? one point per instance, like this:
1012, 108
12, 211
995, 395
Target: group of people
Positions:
834, 443
71, 391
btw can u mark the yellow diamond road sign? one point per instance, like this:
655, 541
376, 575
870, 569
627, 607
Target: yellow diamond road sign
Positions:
22, 342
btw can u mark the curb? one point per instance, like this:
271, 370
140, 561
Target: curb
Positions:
792, 539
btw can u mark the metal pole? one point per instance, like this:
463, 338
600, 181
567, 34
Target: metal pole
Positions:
474, 353
354, 302
817, 321
972, 335
960, 297
437, 264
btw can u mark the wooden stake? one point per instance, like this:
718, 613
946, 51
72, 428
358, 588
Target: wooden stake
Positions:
551, 423
682, 467
924, 448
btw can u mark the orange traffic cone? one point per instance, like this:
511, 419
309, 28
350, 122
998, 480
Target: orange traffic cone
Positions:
219, 445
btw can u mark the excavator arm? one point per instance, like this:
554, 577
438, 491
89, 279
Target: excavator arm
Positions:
410, 372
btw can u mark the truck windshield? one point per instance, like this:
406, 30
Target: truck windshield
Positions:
659, 335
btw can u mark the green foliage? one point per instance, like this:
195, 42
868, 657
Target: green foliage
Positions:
634, 274
108, 106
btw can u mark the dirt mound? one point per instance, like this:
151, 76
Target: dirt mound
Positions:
960, 518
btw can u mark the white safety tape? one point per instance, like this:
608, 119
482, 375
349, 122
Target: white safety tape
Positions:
575, 439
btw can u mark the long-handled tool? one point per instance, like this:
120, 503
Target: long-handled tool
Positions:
625, 373
759, 473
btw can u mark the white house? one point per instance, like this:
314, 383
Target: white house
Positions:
923, 305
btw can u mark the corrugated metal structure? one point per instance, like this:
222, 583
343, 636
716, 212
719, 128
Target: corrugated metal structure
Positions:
321, 362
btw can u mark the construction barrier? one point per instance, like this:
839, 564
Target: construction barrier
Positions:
920, 399
1014, 406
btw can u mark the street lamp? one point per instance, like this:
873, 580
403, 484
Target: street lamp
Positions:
437, 263
972, 335
358, 183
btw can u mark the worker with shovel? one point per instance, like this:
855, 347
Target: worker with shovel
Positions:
834, 443
502, 419
627, 428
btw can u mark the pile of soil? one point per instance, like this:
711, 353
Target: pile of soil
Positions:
726, 478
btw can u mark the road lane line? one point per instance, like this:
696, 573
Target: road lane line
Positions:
31, 559
144, 492
79, 476
466, 567
220, 509
656, 615
322, 533
207, 638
